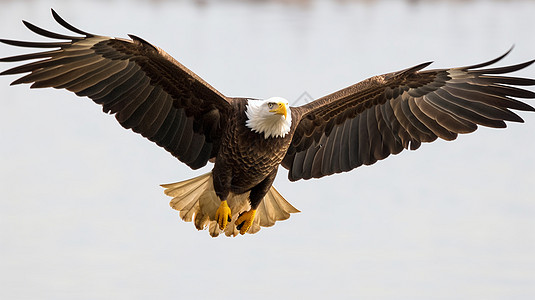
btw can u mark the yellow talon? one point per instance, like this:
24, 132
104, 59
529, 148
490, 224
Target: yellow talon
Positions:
245, 220
223, 215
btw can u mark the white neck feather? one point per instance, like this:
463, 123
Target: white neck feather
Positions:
261, 120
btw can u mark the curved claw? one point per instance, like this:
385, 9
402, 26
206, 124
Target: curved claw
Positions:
223, 215
245, 220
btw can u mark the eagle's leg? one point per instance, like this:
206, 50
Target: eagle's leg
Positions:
221, 180
245, 219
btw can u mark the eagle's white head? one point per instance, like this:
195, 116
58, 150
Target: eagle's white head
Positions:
272, 117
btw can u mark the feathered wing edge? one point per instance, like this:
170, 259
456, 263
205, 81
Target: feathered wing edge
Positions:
196, 201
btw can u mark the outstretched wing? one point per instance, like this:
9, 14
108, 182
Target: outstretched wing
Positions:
146, 89
385, 114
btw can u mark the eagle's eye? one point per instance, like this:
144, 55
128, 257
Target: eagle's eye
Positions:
271, 105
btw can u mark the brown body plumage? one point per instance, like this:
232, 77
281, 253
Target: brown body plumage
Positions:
154, 95
245, 158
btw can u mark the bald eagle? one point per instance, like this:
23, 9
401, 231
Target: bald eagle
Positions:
247, 139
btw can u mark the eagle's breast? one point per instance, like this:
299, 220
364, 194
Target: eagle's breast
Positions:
250, 156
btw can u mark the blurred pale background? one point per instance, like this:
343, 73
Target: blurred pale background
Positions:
82, 215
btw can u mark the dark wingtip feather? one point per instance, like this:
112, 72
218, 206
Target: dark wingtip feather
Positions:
34, 44
490, 62
46, 33
29, 56
507, 69
527, 107
64, 23
16, 82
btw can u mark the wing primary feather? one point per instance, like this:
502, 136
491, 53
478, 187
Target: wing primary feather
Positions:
504, 70
495, 89
35, 44
125, 80
63, 77
68, 26
484, 79
113, 68
53, 77
29, 56
478, 107
461, 112
45, 65
50, 34
488, 63
485, 96
89, 76
75, 73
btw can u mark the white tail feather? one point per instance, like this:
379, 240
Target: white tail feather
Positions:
196, 200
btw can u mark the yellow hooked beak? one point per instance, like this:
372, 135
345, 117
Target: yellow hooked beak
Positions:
280, 110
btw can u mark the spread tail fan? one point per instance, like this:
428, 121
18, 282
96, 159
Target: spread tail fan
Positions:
196, 201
